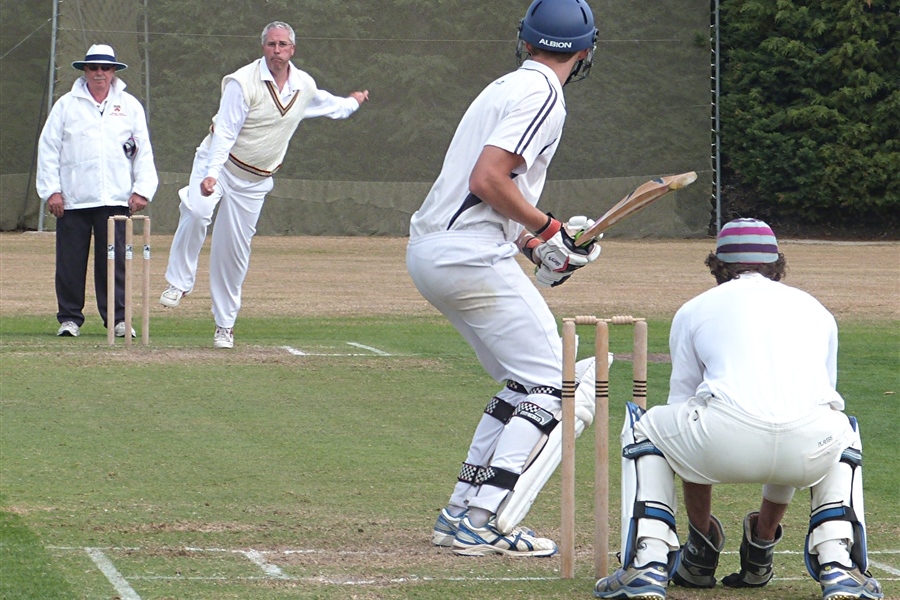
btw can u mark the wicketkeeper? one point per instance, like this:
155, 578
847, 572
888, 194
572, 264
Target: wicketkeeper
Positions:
752, 399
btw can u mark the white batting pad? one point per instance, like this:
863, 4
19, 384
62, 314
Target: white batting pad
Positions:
539, 469
647, 479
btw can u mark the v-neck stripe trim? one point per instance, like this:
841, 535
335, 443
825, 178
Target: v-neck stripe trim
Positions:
276, 98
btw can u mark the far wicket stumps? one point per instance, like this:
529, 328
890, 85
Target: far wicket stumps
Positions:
601, 432
111, 278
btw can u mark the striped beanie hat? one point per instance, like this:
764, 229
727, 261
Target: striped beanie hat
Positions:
748, 241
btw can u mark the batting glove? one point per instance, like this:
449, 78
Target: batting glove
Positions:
560, 253
544, 277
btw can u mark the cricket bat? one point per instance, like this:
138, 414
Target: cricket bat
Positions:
643, 196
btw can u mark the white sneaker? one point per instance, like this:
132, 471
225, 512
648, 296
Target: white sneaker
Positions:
119, 330
646, 583
840, 583
172, 297
479, 541
224, 337
68, 329
445, 528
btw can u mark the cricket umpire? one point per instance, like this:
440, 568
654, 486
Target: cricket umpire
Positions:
94, 161
462, 258
752, 399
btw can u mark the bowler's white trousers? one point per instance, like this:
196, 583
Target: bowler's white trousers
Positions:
240, 203
473, 278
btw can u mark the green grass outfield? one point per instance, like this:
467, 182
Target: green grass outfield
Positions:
179, 472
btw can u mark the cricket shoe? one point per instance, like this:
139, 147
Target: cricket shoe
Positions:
224, 337
445, 528
840, 583
479, 541
119, 330
172, 297
68, 329
645, 583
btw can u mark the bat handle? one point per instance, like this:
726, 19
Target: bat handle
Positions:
582, 240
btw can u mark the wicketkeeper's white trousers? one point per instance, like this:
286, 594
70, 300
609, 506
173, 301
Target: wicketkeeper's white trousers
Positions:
240, 203
707, 441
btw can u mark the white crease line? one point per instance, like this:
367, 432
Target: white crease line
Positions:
369, 348
294, 351
297, 352
884, 567
272, 571
260, 561
115, 578
346, 582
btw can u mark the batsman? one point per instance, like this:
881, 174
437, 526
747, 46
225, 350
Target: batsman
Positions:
752, 399
464, 240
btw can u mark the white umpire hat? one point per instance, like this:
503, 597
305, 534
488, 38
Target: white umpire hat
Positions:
100, 54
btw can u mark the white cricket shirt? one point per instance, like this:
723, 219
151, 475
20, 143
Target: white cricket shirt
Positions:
764, 347
234, 110
522, 112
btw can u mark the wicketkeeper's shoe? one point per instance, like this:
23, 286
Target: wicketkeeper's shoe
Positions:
119, 330
172, 297
840, 583
224, 337
645, 583
479, 541
445, 528
68, 329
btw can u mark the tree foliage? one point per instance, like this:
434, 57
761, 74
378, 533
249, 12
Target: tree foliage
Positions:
810, 109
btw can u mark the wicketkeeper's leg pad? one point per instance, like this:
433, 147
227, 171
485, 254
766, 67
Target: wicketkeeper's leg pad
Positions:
700, 557
837, 510
757, 557
648, 494
542, 463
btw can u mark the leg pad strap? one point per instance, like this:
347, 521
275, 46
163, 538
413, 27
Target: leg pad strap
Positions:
541, 418
499, 409
475, 475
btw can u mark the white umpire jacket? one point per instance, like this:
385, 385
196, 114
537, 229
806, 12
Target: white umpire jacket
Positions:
81, 150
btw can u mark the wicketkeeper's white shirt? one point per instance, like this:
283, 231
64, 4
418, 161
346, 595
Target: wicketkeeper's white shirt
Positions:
768, 349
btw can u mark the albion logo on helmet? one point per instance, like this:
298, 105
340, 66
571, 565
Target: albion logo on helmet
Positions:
555, 44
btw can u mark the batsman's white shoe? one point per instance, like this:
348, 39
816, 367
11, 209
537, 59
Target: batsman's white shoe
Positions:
479, 541
68, 329
840, 583
224, 337
172, 297
445, 528
119, 330
647, 583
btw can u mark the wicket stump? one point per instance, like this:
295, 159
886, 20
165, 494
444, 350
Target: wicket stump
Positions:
111, 278
601, 432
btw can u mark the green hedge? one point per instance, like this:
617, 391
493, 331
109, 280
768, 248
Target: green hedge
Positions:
810, 110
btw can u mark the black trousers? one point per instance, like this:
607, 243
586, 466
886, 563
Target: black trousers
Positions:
73, 246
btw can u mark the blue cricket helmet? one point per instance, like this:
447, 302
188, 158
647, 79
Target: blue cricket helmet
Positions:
559, 26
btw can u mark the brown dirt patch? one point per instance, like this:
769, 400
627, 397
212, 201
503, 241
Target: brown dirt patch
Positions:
344, 276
